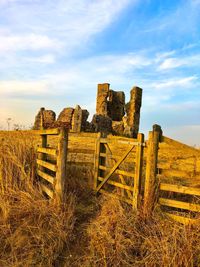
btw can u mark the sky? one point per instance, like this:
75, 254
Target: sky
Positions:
53, 53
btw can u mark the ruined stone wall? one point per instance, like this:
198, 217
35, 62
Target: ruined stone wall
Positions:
102, 101
111, 104
44, 117
116, 105
133, 110
112, 114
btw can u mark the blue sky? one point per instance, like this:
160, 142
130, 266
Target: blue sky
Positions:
54, 52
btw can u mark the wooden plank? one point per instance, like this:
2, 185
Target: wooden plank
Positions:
179, 204
82, 134
138, 171
48, 132
182, 219
96, 161
49, 151
129, 201
47, 165
60, 185
103, 140
117, 138
118, 171
101, 167
45, 176
43, 145
123, 186
47, 190
102, 155
81, 151
125, 173
114, 168
151, 170
180, 189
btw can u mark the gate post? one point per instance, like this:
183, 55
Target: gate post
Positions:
60, 185
138, 171
151, 169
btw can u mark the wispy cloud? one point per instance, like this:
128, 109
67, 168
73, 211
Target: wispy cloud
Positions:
175, 62
15, 42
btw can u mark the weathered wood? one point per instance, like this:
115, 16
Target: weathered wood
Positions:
49, 151
82, 134
114, 168
120, 172
96, 160
47, 132
60, 184
179, 204
138, 171
47, 165
123, 186
43, 145
45, 176
103, 155
47, 190
180, 189
151, 171
182, 219
81, 151
129, 201
125, 173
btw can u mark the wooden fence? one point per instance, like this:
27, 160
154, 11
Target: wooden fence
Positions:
51, 163
158, 171
112, 170
179, 180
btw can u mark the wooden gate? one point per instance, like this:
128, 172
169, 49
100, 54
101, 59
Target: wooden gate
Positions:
118, 167
51, 163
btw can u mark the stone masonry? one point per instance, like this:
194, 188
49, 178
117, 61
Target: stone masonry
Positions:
47, 117
113, 115
133, 110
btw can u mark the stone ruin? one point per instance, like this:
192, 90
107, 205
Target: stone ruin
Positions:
125, 118
113, 115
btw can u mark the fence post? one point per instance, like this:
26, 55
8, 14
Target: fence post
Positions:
42, 156
60, 186
138, 171
151, 169
96, 165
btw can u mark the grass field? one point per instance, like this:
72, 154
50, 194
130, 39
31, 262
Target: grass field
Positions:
86, 230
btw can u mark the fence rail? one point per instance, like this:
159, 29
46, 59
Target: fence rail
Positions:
53, 184
159, 170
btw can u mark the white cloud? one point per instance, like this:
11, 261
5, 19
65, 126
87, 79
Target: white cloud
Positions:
16, 42
175, 62
9, 88
186, 82
45, 59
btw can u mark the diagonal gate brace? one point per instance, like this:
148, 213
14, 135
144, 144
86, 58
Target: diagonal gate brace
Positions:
114, 168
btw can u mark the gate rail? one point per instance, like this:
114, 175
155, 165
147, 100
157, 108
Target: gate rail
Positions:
103, 173
53, 173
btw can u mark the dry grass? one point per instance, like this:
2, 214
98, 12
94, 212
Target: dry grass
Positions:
33, 230
118, 237
36, 232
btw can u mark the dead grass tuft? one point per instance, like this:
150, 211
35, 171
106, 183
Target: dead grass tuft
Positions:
119, 237
33, 230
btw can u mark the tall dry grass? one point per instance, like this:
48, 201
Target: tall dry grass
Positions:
120, 237
33, 231
36, 232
